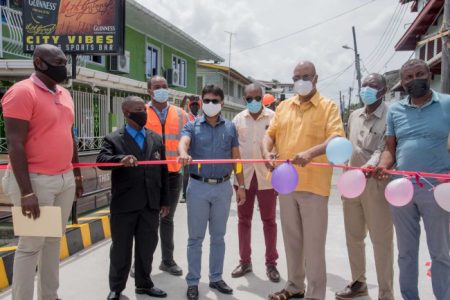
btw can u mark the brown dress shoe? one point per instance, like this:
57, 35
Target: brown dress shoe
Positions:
285, 295
353, 290
241, 270
273, 274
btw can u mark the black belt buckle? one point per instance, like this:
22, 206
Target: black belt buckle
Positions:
213, 180
210, 180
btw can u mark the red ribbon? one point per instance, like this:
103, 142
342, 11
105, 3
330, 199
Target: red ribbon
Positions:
442, 177
420, 184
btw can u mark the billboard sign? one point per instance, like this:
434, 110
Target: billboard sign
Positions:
76, 26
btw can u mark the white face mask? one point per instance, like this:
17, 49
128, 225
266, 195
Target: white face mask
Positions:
303, 88
161, 95
211, 109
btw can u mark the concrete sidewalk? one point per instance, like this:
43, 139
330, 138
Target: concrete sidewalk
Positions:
85, 275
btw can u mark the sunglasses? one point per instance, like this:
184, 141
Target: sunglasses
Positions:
251, 99
214, 101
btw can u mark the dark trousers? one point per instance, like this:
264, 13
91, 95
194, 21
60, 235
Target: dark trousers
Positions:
166, 223
141, 225
267, 200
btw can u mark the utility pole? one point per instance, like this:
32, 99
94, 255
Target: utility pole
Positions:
341, 106
357, 64
229, 63
445, 64
350, 90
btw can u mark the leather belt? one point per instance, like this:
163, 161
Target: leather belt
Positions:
211, 180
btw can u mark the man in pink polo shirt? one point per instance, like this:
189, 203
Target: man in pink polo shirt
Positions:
39, 116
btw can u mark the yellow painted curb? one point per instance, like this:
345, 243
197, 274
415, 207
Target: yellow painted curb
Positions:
85, 233
4, 282
64, 251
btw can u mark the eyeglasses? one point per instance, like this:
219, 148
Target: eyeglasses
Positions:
304, 78
214, 101
251, 99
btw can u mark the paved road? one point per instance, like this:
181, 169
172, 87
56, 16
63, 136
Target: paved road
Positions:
84, 276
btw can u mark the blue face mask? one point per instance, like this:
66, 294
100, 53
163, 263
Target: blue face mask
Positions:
368, 95
161, 95
254, 106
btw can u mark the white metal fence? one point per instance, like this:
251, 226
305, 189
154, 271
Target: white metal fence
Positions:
117, 111
11, 34
91, 119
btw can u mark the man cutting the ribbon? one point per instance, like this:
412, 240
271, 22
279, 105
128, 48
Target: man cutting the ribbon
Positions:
209, 190
301, 130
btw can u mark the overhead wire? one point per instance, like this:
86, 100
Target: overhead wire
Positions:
382, 52
337, 74
383, 36
308, 27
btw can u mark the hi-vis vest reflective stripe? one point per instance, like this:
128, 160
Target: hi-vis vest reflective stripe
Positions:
170, 131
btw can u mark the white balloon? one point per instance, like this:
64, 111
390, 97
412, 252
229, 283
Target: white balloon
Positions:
352, 184
399, 192
442, 196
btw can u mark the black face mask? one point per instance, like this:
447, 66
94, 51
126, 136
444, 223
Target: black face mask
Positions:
139, 117
194, 109
56, 73
418, 88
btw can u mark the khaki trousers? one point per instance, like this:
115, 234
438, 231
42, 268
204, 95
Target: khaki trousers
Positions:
370, 213
304, 221
55, 190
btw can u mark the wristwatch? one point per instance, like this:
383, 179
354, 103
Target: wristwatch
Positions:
242, 186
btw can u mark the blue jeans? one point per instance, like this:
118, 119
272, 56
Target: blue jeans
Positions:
207, 202
436, 221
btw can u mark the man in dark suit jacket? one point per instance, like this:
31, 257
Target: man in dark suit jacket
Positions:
138, 199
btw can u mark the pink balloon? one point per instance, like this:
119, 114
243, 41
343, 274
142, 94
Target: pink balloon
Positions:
399, 192
442, 196
351, 184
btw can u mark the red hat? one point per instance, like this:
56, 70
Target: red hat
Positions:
268, 99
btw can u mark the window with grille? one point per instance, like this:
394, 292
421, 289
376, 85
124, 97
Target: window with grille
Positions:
180, 65
151, 61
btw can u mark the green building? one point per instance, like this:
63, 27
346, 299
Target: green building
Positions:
153, 47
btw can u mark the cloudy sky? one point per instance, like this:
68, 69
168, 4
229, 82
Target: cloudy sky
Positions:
379, 25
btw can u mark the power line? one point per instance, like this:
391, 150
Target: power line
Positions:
364, 67
382, 52
309, 27
337, 75
383, 36
388, 61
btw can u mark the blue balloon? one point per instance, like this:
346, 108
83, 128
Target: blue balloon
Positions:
339, 150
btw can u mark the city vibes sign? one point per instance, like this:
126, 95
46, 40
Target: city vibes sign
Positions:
76, 26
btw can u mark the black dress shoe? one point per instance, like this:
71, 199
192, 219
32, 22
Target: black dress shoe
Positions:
273, 274
241, 270
192, 292
113, 296
171, 268
353, 290
221, 286
152, 292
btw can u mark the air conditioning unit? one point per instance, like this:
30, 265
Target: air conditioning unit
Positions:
173, 77
120, 63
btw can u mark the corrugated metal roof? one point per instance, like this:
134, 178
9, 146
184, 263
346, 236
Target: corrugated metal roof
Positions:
224, 69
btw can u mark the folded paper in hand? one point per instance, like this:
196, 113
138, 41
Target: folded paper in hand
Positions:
47, 225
